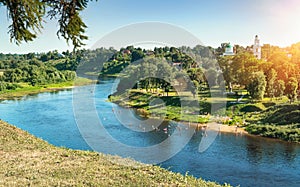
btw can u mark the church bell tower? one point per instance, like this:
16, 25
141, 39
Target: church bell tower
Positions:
257, 48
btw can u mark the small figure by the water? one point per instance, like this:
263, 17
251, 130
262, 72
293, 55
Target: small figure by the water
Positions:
165, 130
203, 129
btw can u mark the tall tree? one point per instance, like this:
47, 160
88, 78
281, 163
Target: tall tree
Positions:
257, 85
137, 54
211, 76
280, 63
227, 70
243, 65
271, 78
279, 87
196, 74
292, 88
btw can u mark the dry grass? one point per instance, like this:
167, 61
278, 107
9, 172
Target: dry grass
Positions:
29, 161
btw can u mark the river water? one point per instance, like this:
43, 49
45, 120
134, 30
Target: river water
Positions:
234, 159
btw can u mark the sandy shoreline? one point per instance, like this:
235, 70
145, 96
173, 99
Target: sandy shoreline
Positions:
218, 127
233, 129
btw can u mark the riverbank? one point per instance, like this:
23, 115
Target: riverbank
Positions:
28, 90
140, 101
28, 161
271, 120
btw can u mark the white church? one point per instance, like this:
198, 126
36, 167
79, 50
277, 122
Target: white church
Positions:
256, 49
229, 50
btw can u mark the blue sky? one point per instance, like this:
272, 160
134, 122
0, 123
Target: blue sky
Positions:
212, 21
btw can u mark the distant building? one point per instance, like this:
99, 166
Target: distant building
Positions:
257, 48
177, 65
289, 55
229, 51
149, 53
126, 51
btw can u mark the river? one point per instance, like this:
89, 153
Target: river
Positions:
234, 159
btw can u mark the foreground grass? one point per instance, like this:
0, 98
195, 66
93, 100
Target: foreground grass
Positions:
28, 161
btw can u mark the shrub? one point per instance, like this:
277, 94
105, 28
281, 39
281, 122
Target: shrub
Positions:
282, 132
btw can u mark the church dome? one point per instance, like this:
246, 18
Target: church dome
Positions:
229, 45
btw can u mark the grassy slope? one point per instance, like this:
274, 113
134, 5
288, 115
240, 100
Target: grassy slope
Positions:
26, 160
278, 121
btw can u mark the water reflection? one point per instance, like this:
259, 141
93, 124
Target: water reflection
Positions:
254, 150
290, 152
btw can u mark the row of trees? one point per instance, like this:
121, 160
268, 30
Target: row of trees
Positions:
50, 67
274, 76
32, 70
164, 67
149, 73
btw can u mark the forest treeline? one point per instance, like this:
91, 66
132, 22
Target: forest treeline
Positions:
34, 69
275, 75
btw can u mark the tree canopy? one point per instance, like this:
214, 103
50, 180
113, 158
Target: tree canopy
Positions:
27, 18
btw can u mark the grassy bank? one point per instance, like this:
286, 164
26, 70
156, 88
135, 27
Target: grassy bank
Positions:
277, 121
151, 105
273, 119
25, 89
28, 161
